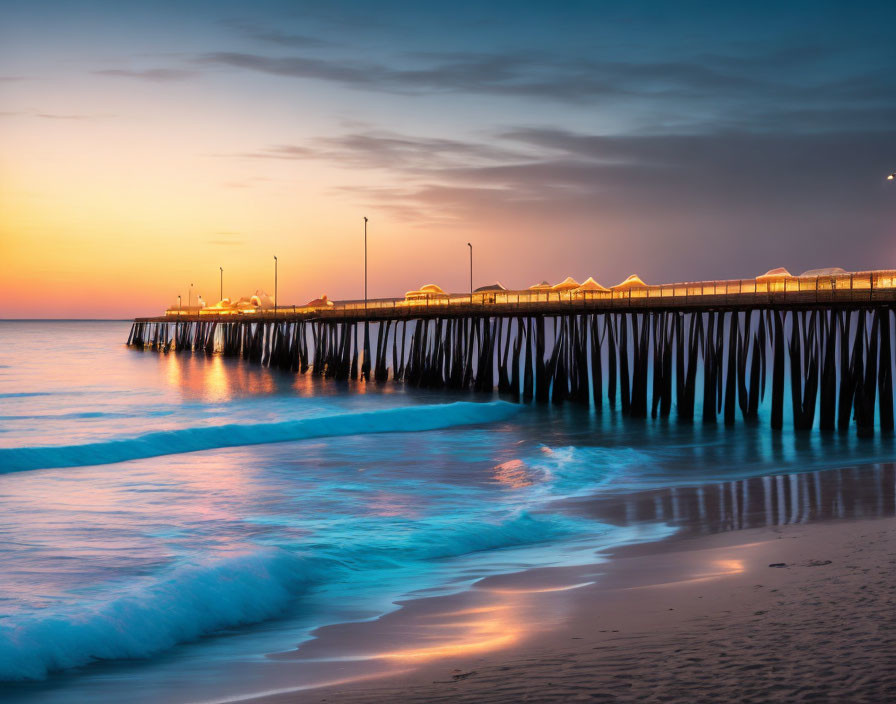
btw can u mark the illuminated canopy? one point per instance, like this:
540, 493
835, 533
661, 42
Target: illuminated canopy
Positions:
321, 302
427, 291
590, 284
775, 274
223, 304
497, 286
830, 271
568, 284
633, 281
261, 300
543, 286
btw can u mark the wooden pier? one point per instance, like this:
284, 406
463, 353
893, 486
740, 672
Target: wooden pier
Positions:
651, 352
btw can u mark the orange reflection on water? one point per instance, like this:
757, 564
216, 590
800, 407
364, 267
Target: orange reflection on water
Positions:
384, 503
513, 473
730, 566
214, 379
467, 636
508, 616
713, 570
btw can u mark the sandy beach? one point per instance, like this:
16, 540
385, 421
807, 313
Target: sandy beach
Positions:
799, 612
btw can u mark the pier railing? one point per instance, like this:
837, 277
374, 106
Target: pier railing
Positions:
869, 287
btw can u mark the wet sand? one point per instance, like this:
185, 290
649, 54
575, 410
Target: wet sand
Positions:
701, 617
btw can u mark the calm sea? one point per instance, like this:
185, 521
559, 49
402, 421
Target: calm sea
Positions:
167, 520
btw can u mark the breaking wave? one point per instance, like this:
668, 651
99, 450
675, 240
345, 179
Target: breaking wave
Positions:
185, 603
171, 442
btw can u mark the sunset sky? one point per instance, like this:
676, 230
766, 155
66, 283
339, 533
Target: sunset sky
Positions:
143, 145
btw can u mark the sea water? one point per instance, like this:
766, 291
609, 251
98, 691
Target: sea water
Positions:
167, 520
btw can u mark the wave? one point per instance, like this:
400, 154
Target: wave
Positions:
171, 442
25, 394
183, 605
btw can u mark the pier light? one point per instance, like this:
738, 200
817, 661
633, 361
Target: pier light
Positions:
892, 176
221, 297
275, 284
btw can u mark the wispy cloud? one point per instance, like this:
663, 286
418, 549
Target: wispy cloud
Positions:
153, 75
389, 150
711, 88
277, 37
43, 115
57, 116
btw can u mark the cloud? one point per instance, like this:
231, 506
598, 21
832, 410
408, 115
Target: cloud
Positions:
276, 37
153, 75
707, 89
54, 116
716, 204
388, 150
50, 115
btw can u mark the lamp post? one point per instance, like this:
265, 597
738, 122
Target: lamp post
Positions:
471, 272
221, 297
178, 305
365, 364
189, 298
365, 266
275, 284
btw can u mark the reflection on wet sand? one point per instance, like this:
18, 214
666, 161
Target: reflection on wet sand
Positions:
485, 618
857, 492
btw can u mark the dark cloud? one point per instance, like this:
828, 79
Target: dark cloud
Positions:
708, 89
153, 75
730, 203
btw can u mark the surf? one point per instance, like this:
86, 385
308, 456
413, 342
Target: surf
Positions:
196, 439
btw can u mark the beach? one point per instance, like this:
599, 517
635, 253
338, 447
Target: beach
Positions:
796, 613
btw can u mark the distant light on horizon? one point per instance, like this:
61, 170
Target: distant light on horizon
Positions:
892, 176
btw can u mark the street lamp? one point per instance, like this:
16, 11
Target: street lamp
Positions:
471, 272
365, 364
892, 176
365, 266
221, 297
178, 305
275, 284
189, 298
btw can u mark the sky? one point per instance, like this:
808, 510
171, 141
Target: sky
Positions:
145, 145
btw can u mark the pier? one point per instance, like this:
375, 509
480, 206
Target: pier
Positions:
719, 347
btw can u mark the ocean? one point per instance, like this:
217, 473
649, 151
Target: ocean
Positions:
167, 521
